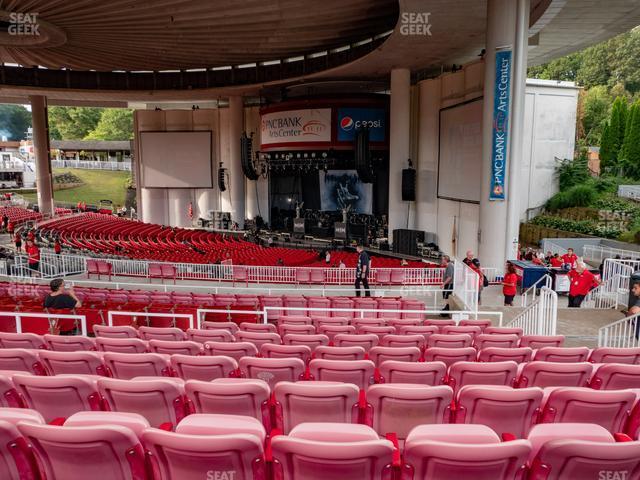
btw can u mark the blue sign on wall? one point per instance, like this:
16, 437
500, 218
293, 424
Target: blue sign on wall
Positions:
500, 132
352, 119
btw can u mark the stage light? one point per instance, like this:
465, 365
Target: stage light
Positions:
298, 155
324, 154
313, 154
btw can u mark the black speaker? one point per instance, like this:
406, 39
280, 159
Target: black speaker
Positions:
222, 172
406, 241
408, 185
363, 156
246, 157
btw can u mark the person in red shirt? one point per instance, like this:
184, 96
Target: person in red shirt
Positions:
509, 285
556, 261
570, 258
17, 239
34, 257
57, 247
475, 266
582, 282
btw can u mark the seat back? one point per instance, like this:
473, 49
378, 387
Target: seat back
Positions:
21, 359
562, 354
472, 330
21, 340
486, 340
231, 327
126, 366
417, 341
19, 462
482, 373
202, 336
450, 355
504, 331
553, 374
366, 341
311, 341
123, 331
449, 340
501, 354
258, 338
271, 350
540, 341
121, 345
402, 354
420, 373
339, 353
332, 330
69, 343
80, 363
272, 370
616, 355
616, 376
181, 347
161, 333
235, 350
358, 372
258, 327
204, 368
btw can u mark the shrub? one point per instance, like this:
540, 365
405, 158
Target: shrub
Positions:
581, 195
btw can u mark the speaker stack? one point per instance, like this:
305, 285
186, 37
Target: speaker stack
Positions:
246, 157
406, 241
408, 185
363, 156
222, 172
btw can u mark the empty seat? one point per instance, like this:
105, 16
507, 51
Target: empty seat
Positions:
376, 330
368, 322
295, 320
121, 345
69, 343
482, 373
160, 400
205, 368
332, 330
400, 407
317, 451
450, 355
319, 321
202, 336
21, 340
258, 327
554, 374
503, 409
468, 329
318, 401
126, 366
540, 341
422, 373
452, 340
272, 370
161, 333
311, 341
231, 327
367, 341
181, 347
616, 376
504, 331
436, 322
500, 354
123, 331
258, 338
339, 353
562, 354
616, 355
482, 323
402, 354
486, 340
443, 452
271, 350
358, 372
21, 359
235, 350
403, 341
133, 421
287, 328
80, 363
17, 462
425, 330
404, 322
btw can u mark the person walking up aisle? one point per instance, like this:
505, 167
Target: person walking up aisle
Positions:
362, 271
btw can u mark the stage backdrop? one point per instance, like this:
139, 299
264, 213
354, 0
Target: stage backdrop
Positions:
341, 188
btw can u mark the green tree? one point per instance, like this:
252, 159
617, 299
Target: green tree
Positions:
115, 124
72, 123
564, 68
595, 107
631, 147
605, 147
617, 127
14, 121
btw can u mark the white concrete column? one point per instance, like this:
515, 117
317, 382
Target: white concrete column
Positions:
154, 205
178, 200
44, 180
399, 146
427, 168
204, 203
235, 189
251, 198
500, 34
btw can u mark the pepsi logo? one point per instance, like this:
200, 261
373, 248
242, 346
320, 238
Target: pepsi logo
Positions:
346, 123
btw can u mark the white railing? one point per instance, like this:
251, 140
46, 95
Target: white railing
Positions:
609, 294
629, 191
620, 334
554, 248
613, 267
51, 317
599, 253
466, 285
493, 275
530, 293
92, 164
121, 313
541, 316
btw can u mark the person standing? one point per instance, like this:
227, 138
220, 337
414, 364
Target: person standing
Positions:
570, 259
468, 258
33, 253
475, 266
582, 282
17, 238
327, 257
362, 271
57, 247
556, 261
509, 285
447, 281
59, 297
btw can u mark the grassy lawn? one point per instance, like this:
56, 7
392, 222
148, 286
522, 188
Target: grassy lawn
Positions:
98, 185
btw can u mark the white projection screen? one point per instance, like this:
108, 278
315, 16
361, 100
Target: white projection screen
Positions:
176, 159
460, 152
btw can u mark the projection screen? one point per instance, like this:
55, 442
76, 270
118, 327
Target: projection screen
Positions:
176, 159
460, 152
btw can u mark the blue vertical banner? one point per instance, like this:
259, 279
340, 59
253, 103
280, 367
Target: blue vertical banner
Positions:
500, 131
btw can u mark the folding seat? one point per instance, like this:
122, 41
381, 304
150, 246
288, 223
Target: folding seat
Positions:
608, 409
229, 326
286, 328
69, 343
220, 444
347, 306
409, 307
170, 347
554, 374
258, 327
400, 407
304, 402
450, 355
482, 373
455, 329
403, 341
453, 340
21, 359
17, 462
348, 340
58, 397
383, 276
270, 350
320, 304
122, 345
424, 330
235, 350
21, 340
258, 339
364, 307
161, 333
573, 450
339, 353
482, 323
292, 301
486, 340
161, 401
332, 330
500, 354
295, 320
231, 396
400, 354
123, 331
389, 304
105, 451
435, 322
319, 321
9, 396
404, 322
311, 341
126, 366
317, 451
272, 370
205, 368
273, 314
562, 354
443, 452
615, 355
615, 376
421, 373
539, 341
504, 331
358, 372
368, 322
78, 363
202, 336
379, 331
